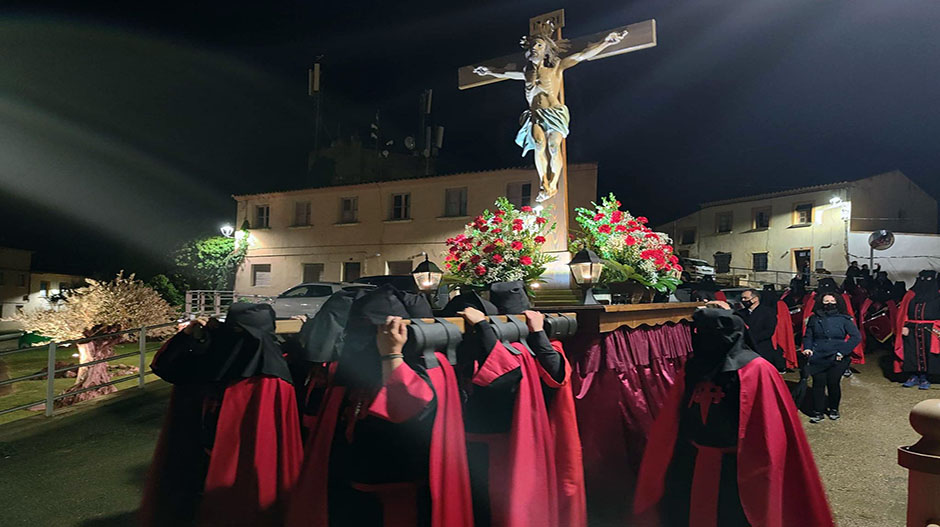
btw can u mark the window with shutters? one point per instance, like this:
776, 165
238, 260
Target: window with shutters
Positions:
351, 271
723, 222
401, 206
519, 194
399, 267
722, 262
349, 210
455, 202
261, 275
760, 218
312, 272
262, 217
302, 213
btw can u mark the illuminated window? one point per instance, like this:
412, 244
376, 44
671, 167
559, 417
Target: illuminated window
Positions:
803, 213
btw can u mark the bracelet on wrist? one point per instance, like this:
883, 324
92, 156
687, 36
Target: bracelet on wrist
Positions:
393, 356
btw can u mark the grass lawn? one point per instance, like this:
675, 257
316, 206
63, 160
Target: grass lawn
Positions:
85, 467
34, 361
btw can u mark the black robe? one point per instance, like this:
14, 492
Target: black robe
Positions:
920, 353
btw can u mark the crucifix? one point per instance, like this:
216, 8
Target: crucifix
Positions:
546, 55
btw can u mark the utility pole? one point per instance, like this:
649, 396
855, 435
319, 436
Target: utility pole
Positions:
313, 90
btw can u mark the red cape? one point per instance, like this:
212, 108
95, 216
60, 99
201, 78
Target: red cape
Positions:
783, 334
778, 481
902, 318
254, 462
858, 354
572, 503
403, 396
542, 480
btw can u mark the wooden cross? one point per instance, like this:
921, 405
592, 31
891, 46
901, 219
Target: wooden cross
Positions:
638, 36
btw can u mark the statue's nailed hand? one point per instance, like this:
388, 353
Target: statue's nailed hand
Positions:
482, 70
616, 36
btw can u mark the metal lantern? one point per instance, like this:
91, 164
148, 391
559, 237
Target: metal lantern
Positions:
427, 275
586, 267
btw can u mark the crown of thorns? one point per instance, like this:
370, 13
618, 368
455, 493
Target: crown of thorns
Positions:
546, 33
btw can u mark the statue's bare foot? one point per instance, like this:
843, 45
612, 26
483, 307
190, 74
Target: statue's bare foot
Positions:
543, 195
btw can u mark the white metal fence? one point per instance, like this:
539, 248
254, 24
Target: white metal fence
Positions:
50, 374
208, 302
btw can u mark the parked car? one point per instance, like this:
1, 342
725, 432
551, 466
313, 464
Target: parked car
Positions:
697, 269
306, 298
406, 282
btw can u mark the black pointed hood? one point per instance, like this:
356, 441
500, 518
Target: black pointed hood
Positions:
510, 298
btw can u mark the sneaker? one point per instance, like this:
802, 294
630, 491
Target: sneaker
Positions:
834, 414
818, 418
924, 384
914, 380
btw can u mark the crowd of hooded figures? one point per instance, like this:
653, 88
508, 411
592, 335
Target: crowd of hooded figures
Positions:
349, 423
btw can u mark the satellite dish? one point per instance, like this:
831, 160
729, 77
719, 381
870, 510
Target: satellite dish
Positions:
881, 240
410, 143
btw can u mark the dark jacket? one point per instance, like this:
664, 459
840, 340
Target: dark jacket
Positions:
826, 336
761, 324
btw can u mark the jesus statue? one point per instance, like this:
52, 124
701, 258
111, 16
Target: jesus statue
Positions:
545, 124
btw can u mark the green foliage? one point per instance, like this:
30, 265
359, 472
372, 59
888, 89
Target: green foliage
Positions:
210, 263
167, 289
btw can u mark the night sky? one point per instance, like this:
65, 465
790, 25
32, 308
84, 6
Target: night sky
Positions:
125, 127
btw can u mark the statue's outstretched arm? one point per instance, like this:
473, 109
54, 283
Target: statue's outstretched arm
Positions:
484, 71
592, 50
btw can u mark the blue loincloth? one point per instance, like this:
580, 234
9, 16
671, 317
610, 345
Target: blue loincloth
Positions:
553, 119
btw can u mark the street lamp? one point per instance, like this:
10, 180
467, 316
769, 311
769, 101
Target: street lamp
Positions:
227, 230
427, 275
586, 267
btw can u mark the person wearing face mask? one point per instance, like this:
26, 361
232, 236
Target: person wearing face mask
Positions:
831, 334
727, 448
761, 324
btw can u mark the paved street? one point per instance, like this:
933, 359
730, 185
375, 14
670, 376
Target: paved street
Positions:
86, 469
857, 455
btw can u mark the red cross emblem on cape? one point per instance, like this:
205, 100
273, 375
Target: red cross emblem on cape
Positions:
706, 394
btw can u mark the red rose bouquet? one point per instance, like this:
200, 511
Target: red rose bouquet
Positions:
631, 250
504, 245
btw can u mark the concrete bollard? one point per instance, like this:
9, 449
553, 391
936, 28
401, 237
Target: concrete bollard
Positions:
923, 461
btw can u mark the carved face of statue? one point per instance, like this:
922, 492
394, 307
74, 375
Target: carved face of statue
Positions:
536, 50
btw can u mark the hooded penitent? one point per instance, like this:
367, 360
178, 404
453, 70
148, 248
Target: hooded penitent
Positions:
919, 351
230, 448
385, 452
728, 443
509, 297
522, 435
